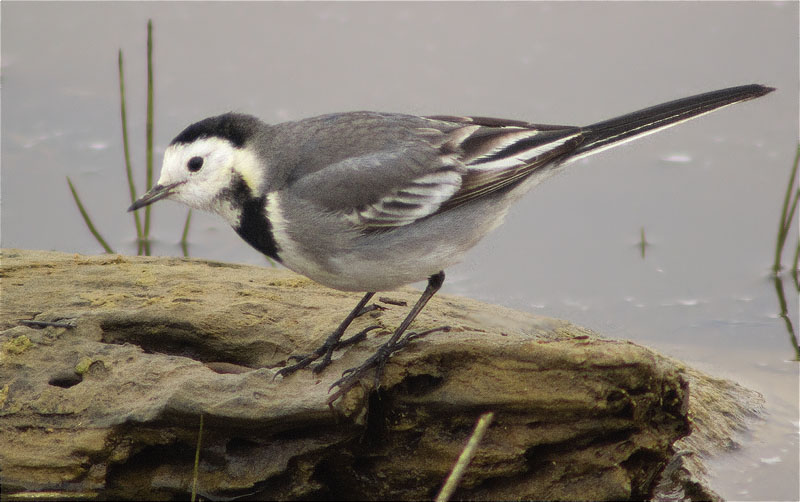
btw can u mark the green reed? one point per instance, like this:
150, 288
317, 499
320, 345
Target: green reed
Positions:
142, 231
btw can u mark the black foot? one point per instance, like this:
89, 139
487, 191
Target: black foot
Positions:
325, 352
326, 358
378, 361
332, 343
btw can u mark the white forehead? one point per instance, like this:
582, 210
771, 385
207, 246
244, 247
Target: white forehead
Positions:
213, 150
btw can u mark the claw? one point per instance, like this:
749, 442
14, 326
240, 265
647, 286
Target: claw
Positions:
378, 361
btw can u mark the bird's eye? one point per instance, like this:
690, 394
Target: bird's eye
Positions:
195, 163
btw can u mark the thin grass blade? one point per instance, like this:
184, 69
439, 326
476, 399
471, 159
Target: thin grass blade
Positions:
197, 460
149, 131
87, 219
126, 149
464, 459
184, 242
642, 242
787, 213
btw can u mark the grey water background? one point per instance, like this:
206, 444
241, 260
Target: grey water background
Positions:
708, 193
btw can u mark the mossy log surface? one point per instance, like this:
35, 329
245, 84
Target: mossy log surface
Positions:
110, 406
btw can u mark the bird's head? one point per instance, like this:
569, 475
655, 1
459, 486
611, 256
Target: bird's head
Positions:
205, 160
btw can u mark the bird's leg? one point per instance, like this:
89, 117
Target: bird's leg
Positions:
332, 342
395, 343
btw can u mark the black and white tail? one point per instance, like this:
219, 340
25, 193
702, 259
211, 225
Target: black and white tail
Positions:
619, 130
498, 154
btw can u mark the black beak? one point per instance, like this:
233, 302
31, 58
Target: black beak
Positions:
155, 194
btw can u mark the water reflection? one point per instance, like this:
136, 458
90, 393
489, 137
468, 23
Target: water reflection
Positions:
784, 311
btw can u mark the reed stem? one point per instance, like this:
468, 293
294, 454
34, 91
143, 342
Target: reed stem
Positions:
86, 218
149, 132
126, 149
787, 213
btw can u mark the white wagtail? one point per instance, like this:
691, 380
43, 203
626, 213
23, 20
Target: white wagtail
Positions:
367, 201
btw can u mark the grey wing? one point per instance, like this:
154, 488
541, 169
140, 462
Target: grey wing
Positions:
384, 189
443, 162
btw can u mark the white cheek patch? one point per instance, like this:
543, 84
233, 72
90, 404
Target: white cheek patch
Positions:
198, 189
214, 151
222, 164
217, 154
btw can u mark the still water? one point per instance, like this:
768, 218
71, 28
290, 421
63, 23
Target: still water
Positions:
707, 194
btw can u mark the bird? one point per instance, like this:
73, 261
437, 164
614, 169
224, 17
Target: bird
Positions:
369, 201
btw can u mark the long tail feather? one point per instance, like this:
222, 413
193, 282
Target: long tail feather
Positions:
616, 131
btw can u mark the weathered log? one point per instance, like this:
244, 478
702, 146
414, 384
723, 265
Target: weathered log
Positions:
110, 405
